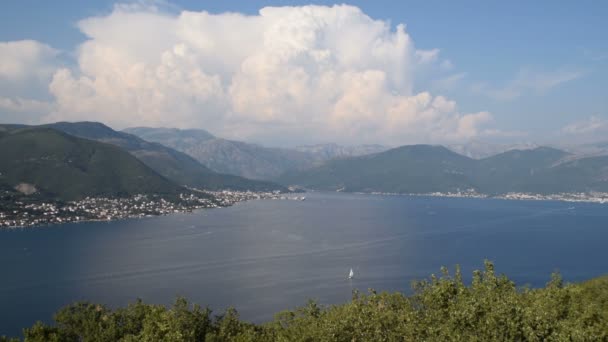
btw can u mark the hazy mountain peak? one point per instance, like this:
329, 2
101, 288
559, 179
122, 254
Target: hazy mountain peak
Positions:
328, 151
155, 133
90, 129
426, 150
478, 149
247, 159
170, 163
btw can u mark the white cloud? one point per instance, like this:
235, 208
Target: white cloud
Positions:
591, 126
501, 134
25, 60
427, 56
446, 64
26, 68
21, 110
591, 130
21, 105
296, 74
450, 81
528, 81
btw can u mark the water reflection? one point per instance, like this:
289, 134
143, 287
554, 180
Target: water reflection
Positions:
266, 256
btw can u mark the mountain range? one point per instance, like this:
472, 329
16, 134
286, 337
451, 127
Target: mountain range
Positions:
174, 165
426, 168
245, 159
478, 149
70, 161
73, 160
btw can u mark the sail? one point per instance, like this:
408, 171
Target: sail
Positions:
351, 274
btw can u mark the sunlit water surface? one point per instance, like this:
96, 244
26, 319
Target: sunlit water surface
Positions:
269, 255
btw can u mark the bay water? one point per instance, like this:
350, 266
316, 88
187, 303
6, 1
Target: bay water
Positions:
265, 256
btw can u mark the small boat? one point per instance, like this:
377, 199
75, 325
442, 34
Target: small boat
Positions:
351, 274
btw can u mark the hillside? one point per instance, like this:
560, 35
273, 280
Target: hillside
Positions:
519, 171
228, 156
424, 168
407, 169
178, 139
245, 159
579, 175
323, 152
56, 165
174, 165
477, 149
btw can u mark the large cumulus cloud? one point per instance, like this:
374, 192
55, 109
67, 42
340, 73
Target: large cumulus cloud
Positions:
288, 74
26, 60
26, 68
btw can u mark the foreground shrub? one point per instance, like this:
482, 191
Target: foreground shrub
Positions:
441, 308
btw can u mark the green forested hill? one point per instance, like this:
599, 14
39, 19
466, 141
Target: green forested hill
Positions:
408, 169
518, 171
444, 308
425, 168
174, 165
66, 167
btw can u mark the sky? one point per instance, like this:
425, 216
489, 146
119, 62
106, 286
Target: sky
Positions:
285, 73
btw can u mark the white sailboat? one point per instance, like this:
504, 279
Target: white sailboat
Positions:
351, 274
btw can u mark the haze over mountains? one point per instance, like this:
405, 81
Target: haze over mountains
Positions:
426, 168
477, 149
486, 167
245, 159
72, 160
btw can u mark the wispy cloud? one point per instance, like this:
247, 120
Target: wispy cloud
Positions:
21, 105
427, 56
501, 134
26, 60
528, 81
446, 64
594, 55
449, 82
592, 125
590, 130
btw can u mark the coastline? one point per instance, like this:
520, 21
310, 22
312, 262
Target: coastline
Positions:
576, 197
103, 209
140, 206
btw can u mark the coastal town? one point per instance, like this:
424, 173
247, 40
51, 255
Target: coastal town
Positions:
588, 197
591, 197
23, 213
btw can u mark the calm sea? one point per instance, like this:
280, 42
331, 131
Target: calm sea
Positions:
265, 256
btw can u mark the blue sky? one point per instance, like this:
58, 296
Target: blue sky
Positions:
537, 66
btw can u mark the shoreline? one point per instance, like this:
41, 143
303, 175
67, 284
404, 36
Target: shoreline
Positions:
144, 206
575, 197
102, 209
